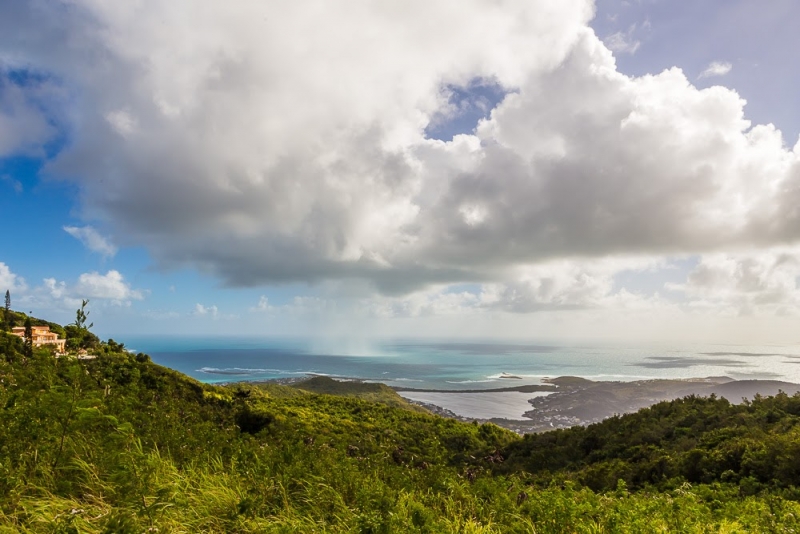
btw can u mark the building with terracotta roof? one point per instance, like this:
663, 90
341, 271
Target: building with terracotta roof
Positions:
42, 336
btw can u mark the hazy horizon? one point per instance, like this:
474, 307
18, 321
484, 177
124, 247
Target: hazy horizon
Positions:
573, 169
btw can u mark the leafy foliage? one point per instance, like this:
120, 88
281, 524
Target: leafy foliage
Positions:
8, 323
380, 393
700, 440
119, 444
77, 334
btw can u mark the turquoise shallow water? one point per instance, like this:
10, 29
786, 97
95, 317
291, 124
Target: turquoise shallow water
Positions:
455, 365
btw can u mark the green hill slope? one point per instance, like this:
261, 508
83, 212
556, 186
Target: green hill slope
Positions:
372, 392
118, 444
755, 445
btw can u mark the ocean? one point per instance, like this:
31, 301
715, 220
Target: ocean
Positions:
459, 365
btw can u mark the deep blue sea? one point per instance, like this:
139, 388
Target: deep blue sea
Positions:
454, 365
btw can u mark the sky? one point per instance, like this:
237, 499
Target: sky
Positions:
559, 169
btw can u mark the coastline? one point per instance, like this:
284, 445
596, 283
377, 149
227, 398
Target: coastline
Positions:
579, 401
568, 401
529, 388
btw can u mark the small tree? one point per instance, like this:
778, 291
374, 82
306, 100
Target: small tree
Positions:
28, 337
81, 316
78, 335
7, 313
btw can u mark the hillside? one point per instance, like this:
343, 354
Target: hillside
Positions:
579, 401
753, 445
368, 391
119, 444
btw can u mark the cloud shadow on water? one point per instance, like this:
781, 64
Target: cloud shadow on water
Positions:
671, 362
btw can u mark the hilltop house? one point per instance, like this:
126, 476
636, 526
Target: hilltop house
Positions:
42, 336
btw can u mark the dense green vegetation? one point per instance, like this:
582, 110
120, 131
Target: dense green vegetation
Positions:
117, 444
363, 390
755, 445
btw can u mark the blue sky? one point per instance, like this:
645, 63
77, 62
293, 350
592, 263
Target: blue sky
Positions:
537, 169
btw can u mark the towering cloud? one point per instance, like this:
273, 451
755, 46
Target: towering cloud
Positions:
273, 141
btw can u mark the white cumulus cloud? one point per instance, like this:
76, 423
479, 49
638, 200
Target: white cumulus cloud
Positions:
10, 281
743, 283
201, 310
623, 42
111, 286
716, 68
92, 240
270, 142
263, 305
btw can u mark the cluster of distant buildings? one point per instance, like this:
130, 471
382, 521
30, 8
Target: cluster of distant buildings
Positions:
41, 335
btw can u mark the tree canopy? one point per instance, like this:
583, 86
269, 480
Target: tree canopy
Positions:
120, 444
